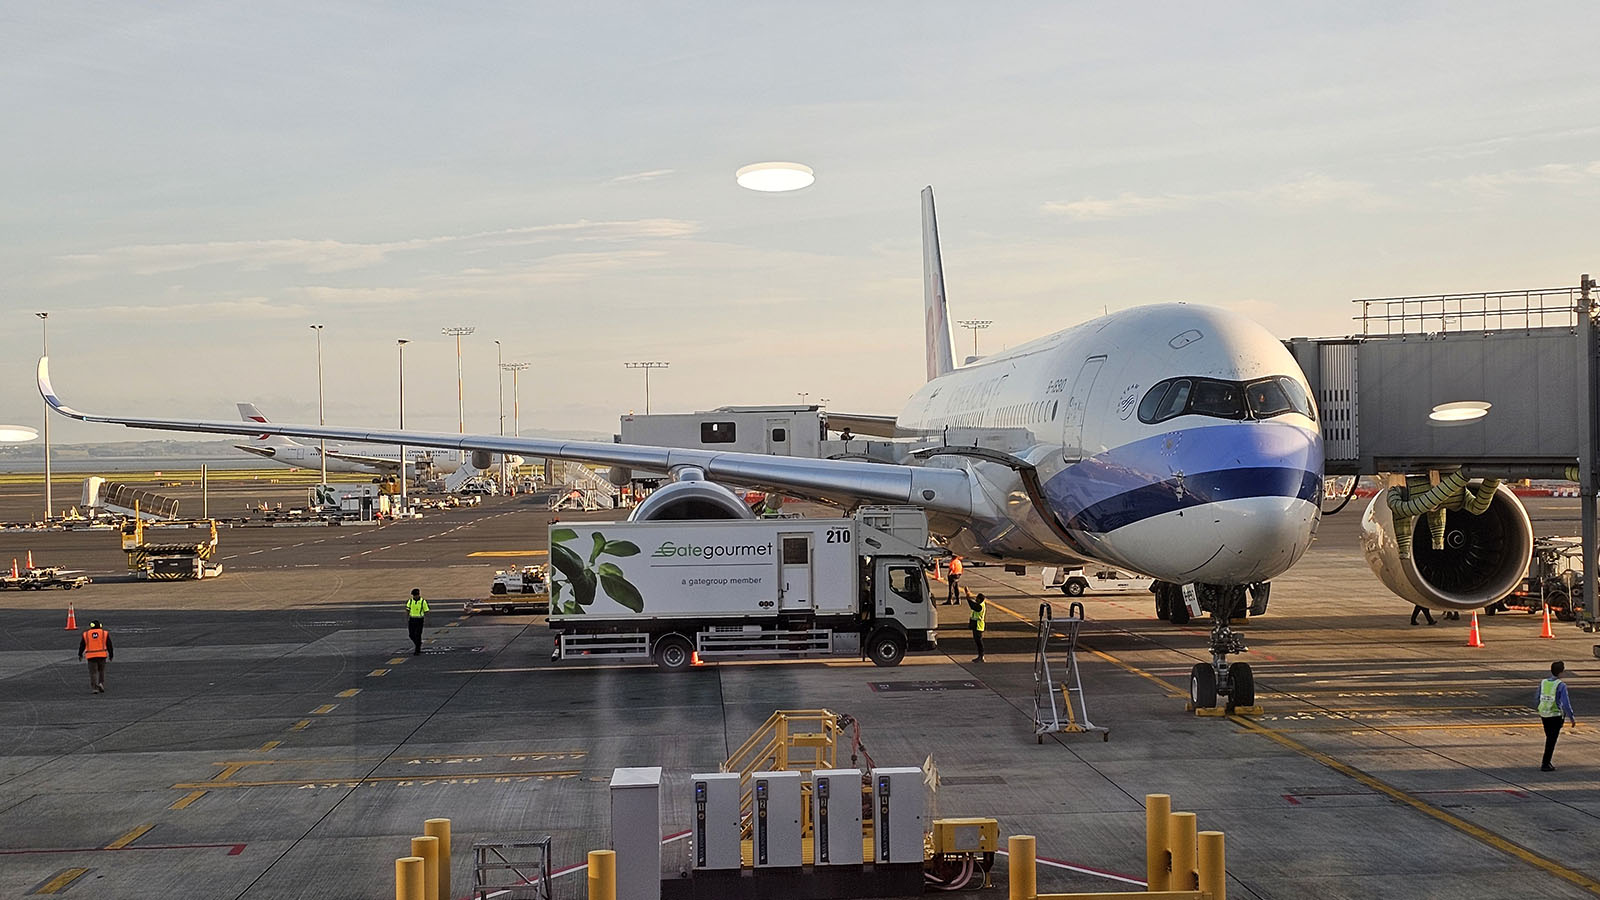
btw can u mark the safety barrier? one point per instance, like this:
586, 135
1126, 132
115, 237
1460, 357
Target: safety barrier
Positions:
425, 874
1180, 862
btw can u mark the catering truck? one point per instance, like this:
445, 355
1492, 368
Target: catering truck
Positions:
677, 591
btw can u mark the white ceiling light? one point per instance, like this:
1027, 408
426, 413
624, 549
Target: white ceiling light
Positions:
16, 434
775, 176
1459, 413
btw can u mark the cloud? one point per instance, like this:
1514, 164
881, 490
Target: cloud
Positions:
242, 308
321, 256
651, 175
1119, 207
1308, 190
1549, 173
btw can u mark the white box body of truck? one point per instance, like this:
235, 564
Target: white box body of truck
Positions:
741, 588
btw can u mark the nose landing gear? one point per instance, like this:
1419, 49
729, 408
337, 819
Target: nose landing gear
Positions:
1219, 678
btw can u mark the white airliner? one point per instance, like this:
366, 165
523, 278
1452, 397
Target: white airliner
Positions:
292, 453
1174, 440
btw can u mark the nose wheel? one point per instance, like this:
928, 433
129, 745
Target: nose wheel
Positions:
1220, 678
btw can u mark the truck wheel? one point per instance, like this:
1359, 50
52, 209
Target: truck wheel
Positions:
674, 653
497, 589
886, 647
1073, 589
1178, 609
1163, 606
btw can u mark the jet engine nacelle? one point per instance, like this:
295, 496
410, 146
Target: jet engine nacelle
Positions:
482, 459
620, 476
689, 500
1485, 557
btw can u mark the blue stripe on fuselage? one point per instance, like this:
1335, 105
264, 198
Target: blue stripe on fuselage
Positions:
1182, 469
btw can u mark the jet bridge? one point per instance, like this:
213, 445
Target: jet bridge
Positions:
1495, 384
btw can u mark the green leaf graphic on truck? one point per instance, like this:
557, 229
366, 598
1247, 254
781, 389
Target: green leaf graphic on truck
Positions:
584, 577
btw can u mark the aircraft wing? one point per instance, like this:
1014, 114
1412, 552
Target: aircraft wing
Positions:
942, 489
386, 463
874, 426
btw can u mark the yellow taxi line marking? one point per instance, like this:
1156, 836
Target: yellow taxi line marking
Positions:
1165, 686
229, 771
187, 799
61, 879
301, 725
460, 757
324, 709
509, 553
350, 693
398, 660
1477, 832
132, 835
269, 746
376, 673
373, 779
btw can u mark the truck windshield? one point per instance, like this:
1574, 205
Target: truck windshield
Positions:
907, 582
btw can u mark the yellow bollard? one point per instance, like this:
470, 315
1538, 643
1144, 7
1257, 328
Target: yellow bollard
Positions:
428, 849
1182, 839
1022, 872
602, 875
1213, 865
408, 878
440, 828
1157, 850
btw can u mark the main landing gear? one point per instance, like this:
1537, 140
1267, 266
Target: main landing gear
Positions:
1208, 681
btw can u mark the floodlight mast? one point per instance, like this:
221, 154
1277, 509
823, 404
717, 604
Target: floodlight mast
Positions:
646, 366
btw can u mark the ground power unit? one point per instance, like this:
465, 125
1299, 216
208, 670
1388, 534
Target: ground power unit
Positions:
777, 819
716, 820
836, 817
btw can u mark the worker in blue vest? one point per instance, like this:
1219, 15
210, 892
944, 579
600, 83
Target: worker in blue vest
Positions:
1553, 705
415, 608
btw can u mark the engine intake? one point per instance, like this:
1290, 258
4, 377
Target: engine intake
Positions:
689, 500
1485, 557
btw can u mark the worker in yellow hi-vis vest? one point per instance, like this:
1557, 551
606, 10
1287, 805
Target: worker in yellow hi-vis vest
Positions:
1554, 704
416, 607
980, 610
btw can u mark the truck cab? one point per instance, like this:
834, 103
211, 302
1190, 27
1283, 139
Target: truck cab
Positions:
901, 608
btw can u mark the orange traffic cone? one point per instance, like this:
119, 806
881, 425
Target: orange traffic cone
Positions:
938, 571
13, 567
1473, 638
30, 559
1547, 633
72, 618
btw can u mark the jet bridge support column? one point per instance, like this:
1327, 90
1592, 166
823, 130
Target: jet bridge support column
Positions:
1587, 439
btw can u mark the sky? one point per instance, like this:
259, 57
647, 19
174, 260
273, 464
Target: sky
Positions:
189, 186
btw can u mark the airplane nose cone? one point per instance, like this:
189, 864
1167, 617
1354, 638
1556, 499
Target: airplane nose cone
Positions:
1254, 539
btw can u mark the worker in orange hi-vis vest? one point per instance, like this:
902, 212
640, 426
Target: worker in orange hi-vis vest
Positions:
955, 577
95, 646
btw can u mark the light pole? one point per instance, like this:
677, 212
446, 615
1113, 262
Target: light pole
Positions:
976, 325
49, 504
802, 395
457, 331
646, 366
500, 389
322, 444
401, 343
516, 396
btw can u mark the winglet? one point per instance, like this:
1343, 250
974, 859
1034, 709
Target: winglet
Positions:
49, 393
936, 313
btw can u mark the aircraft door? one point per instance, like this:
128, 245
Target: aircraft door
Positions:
778, 437
794, 571
1072, 448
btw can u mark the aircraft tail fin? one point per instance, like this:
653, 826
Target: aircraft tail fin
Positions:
248, 412
936, 314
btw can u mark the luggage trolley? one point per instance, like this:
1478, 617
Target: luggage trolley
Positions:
1046, 714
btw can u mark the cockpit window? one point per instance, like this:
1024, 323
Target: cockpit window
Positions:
1259, 399
1222, 399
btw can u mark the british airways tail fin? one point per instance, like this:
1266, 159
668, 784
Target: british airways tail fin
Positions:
936, 315
250, 413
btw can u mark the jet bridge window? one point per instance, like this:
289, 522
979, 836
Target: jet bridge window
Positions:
716, 432
1259, 399
906, 582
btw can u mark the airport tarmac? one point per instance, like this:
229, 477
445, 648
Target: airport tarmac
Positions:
268, 734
